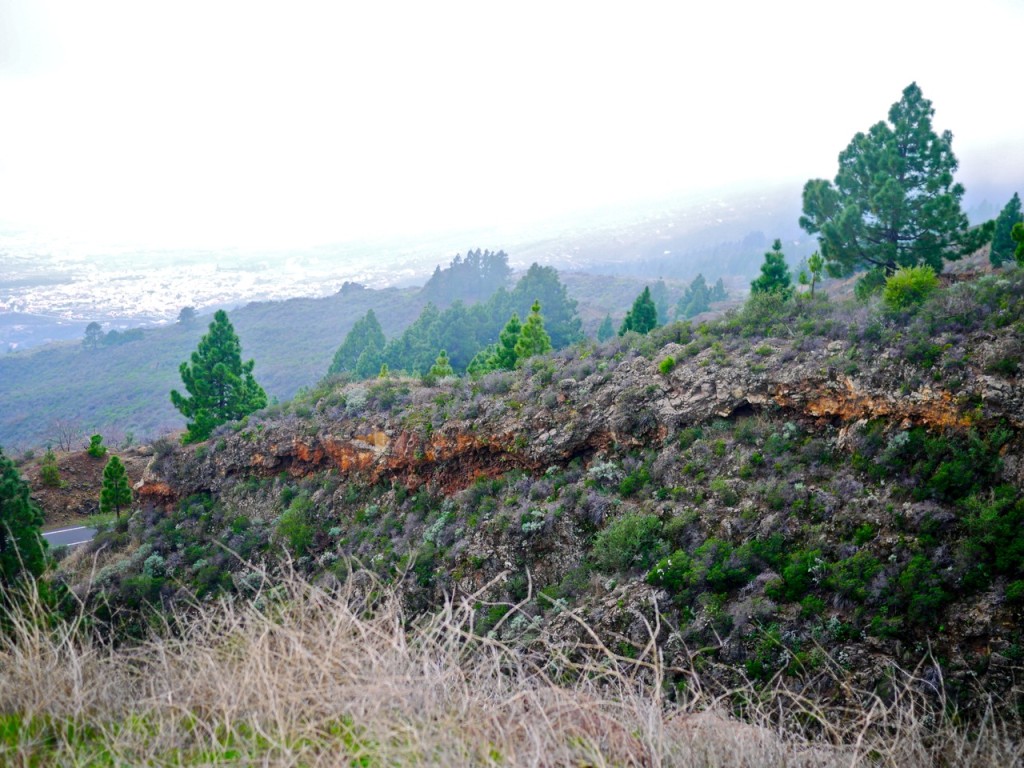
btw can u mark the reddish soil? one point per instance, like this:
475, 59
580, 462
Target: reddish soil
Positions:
82, 477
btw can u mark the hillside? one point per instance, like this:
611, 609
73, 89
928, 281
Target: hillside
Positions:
123, 390
805, 501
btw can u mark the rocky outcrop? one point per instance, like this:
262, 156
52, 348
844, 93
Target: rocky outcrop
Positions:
534, 426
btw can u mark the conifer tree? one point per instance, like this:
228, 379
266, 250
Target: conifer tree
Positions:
221, 386
659, 295
812, 276
49, 472
365, 334
116, 492
96, 447
505, 351
1018, 237
695, 299
642, 317
93, 336
893, 202
22, 549
718, 292
606, 330
442, 368
1002, 236
774, 277
369, 362
533, 339
541, 284
483, 362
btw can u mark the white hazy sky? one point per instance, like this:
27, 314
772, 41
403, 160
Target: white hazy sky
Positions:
224, 122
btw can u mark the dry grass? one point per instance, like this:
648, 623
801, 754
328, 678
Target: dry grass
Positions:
309, 676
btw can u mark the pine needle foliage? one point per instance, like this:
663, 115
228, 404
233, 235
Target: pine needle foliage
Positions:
22, 549
221, 386
115, 493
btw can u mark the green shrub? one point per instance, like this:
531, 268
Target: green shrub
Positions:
715, 566
49, 474
995, 535
96, 448
919, 594
666, 365
634, 481
294, 525
689, 436
864, 534
1015, 591
1006, 366
909, 287
630, 541
850, 577
797, 577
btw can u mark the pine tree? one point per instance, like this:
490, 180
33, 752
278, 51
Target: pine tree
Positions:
116, 492
774, 277
483, 362
93, 336
606, 330
365, 334
96, 447
718, 292
505, 351
369, 363
1002, 237
695, 299
893, 202
442, 368
22, 549
659, 295
812, 276
1018, 237
49, 472
221, 386
533, 339
642, 317
541, 284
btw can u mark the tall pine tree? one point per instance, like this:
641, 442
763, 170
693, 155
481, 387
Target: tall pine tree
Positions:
505, 351
116, 492
365, 335
1002, 237
893, 202
642, 317
533, 339
221, 386
774, 277
1018, 237
22, 549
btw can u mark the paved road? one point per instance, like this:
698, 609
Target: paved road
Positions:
68, 537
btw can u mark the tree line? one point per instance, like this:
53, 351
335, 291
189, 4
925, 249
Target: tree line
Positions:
462, 330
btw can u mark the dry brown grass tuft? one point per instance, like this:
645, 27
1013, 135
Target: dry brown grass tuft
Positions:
309, 676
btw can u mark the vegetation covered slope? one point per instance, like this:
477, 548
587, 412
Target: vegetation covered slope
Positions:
803, 492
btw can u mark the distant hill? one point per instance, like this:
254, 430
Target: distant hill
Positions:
124, 389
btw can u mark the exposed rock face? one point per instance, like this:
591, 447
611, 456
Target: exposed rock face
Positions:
630, 405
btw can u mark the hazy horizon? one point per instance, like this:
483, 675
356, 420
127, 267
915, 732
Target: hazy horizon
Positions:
239, 125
